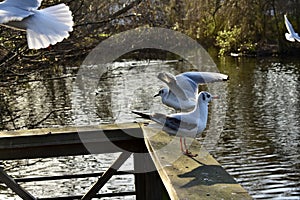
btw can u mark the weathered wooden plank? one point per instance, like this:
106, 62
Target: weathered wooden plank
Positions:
188, 178
44, 131
72, 141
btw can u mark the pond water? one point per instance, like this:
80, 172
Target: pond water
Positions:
260, 142
256, 122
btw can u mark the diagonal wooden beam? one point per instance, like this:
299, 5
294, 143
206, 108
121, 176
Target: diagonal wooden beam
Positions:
106, 176
11, 183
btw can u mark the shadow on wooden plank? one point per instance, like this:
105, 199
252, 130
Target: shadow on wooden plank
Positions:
207, 175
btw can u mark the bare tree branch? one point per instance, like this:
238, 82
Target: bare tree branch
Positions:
115, 15
34, 125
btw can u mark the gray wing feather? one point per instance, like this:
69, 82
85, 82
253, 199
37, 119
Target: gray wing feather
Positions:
205, 77
17, 10
24, 4
288, 25
173, 84
8, 14
173, 123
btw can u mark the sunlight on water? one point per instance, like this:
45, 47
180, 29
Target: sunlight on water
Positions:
258, 144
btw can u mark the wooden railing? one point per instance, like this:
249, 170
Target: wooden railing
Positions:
43, 143
161, 171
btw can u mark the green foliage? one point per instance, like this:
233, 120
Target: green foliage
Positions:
228, 40
231, 25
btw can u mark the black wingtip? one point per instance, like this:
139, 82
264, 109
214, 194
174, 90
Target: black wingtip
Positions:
143, 115
226, 79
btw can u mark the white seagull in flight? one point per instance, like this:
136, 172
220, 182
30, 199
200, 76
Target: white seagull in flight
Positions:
291, 35
43, 27
182, 89
187, 124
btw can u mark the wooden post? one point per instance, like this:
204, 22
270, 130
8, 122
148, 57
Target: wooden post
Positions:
148, 184
10, 182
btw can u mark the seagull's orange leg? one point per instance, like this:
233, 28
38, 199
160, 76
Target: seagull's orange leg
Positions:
184, 142
181, 148
185, 151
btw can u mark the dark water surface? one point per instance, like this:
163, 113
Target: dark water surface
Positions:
260, 144
258, 139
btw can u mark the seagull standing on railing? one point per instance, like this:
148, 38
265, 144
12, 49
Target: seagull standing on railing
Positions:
291, 35
182, 89
43, 27
187, 124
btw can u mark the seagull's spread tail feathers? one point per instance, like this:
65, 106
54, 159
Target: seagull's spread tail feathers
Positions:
49, 26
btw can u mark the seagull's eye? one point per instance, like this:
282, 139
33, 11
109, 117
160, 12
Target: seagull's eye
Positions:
208, 95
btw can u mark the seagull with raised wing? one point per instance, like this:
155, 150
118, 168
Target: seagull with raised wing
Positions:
182, 89
187, 124
43, 27
291, 35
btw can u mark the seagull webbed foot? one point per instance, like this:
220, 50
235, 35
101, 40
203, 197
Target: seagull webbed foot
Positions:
185, 150
189, 154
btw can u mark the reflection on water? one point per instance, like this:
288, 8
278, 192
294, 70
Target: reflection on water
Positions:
123, 87
39, 100
258, 144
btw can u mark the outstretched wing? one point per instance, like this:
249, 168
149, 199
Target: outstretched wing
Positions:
192, 79
205, 77
16, 10
176, 86
24, 4
292, 35
288, 25
8, 14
